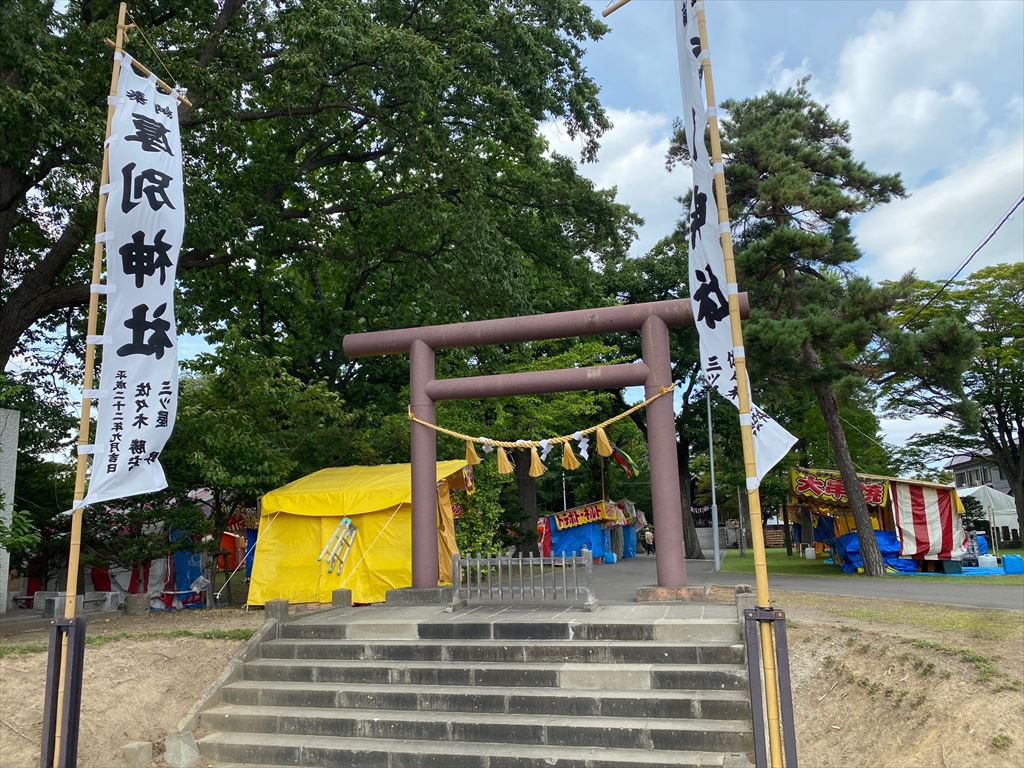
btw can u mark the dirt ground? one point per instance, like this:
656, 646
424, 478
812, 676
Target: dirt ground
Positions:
877, 684
900, 685
134, 689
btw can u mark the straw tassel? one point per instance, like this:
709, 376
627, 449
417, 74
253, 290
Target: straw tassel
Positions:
569, 460
471, 456
505, 464
537, 467
604, 446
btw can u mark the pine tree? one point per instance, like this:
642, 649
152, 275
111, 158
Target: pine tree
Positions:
815, 325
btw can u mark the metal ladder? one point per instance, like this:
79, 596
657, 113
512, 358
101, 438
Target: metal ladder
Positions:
338, 546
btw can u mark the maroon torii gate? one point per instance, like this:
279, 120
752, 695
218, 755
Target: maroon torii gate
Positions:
654, 372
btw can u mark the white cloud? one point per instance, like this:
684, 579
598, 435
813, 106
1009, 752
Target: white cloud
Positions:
632, 158
780, 78
936, 228
907, 84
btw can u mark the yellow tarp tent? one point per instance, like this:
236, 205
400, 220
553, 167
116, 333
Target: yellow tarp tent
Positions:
297, 520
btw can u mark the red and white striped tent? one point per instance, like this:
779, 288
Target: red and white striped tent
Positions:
928, 520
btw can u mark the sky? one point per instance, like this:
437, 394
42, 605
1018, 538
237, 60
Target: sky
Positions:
932, 90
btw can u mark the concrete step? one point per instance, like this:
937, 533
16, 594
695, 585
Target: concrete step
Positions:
552, 730
713, 704
720, 628
591, 651
251, 750
539, 675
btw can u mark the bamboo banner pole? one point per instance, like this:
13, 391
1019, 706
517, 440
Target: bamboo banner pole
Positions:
613, 7
146, 72
746, 430
87, 381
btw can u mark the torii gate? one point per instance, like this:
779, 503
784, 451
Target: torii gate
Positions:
652, 319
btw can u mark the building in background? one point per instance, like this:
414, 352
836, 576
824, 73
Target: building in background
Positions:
974, 469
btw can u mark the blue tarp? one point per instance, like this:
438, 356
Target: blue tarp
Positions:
628, 542
188, 566
966, 571
825, 531
250, 550
848, 549
572, 540
982, 544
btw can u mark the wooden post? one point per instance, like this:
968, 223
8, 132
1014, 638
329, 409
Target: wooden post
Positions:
746, 433
90, 364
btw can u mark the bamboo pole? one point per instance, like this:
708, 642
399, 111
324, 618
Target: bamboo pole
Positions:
90, 364
746, 431
612, 8
146, 71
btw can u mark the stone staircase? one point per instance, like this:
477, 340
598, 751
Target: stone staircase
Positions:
514, 690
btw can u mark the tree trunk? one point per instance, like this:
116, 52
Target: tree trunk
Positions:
692, 548
1017, 487
527, 489
873, 563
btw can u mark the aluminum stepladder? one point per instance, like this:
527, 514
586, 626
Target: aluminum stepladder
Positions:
338, 546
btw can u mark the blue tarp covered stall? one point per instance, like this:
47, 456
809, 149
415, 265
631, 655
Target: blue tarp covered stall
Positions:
847, 549
571, 541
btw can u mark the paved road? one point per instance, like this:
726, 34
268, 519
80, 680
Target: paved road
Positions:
618, 583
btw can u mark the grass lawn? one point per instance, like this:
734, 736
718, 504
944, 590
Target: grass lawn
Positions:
781, 565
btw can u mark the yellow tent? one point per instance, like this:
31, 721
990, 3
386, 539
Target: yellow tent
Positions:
298, 519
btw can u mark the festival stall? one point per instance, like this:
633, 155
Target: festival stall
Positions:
606, 528
298, 520
914, 520
999, 511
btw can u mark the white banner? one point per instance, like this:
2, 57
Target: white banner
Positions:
708, 288
145, 222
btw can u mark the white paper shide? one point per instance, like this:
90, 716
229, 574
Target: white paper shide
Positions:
708, 288
145, 221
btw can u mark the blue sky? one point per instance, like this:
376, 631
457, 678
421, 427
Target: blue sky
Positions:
933, 90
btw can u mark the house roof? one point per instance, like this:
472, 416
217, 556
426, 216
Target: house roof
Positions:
960, 459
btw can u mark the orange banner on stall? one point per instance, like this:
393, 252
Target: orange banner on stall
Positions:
825, 486
588, 513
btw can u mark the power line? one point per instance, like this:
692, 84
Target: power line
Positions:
967, 261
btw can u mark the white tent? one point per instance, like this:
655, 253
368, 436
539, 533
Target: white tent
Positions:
998, 506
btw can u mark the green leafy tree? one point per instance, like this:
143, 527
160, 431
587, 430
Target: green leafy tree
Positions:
662, 275
20, 537
478, 528
132, 532
536, 417
794, 186
44, 486
246, 426
350, 164
987, 416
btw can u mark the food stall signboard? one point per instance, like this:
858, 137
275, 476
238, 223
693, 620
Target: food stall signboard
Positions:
814, 484
588, 513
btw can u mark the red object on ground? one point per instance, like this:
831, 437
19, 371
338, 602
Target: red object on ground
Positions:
101, 579
229, 544
544, 535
